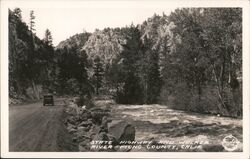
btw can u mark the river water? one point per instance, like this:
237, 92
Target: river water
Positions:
163, 124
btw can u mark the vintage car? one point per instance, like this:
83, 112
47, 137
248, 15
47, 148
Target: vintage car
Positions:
48, 99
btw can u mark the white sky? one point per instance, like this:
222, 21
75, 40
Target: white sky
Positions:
65, 22
65, 18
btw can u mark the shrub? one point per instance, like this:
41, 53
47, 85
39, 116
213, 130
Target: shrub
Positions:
182, 97
84, 100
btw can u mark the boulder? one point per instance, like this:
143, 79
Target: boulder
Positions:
77, 101
121, 130
86, 115
97, 114
74, 139
80, 133
83, 107
85, 123
70, 126
83, 135
103, 109
71, 120
101, 137
83, 148
90, 120
71, 109
113, 139
71, 131
104, 125
83, 138
105, 122
84, 145
82, 128
94, 130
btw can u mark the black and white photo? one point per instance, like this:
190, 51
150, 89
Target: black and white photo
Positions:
126, 77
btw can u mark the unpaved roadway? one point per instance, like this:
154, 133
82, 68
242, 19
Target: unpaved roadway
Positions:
34, 127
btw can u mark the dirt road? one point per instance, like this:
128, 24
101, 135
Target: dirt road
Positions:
34, 127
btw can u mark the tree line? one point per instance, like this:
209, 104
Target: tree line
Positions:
31, 60
190, 60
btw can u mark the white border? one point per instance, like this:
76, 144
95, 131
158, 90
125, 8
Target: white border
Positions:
5, 4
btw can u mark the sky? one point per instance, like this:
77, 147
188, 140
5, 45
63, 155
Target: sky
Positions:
65, 22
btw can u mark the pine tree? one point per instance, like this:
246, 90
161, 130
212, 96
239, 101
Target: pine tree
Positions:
154, 82
86, 88
98, 73
150, 72
17, 12
32, 22
131, 92
48, 38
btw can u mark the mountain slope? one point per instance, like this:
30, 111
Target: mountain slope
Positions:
77, 40
30, 58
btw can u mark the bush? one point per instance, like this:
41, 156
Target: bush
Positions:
119, 97
84, 100
205, 103
72, 86
128, 98
130, 93
182, 96
234, 102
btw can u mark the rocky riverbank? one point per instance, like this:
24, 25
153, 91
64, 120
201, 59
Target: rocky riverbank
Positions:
93, 130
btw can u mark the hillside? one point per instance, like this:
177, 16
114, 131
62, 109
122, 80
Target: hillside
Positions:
31, 60
77, 40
